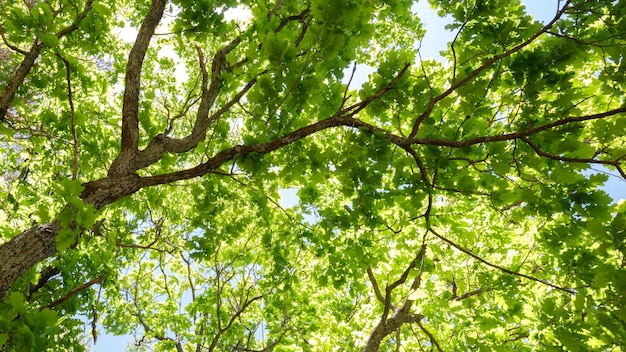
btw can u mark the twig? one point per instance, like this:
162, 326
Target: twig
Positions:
495, 266
74, 292
480, 69
9, 45
345, 92
432, 338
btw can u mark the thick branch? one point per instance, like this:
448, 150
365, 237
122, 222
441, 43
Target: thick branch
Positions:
38, 243
162, 144
32, 246
387, 326
400, 315
7, 95
341, 118
24, 251
17, 79
123, 164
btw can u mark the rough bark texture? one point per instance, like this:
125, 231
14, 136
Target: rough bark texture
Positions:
105, 191
23, 252
38, 243
17, 79
387, 326
7, 95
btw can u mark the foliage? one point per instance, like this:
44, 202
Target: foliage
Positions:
441, 206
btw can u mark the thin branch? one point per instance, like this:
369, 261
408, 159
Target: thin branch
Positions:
370, 275
432, 338
237, 97
79, 18
495, 266
44, 276
74, 292
483, 67
590, 43
454, 64
421, 255
537, 149
275, 9
356, 107
503, 137
231, 321
299, 17
468, 295
9, 45
345, 92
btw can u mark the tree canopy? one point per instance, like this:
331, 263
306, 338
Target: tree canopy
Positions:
443, 205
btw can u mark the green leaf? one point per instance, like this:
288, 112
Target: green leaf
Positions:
66, 238
3, 339
170, 228
49, 39
17, 301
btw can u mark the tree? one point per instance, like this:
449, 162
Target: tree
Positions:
440, 206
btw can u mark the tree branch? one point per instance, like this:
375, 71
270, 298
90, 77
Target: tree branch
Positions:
123, 164
503, 137
379, 295
432, 338
387, 326
18, 78
24, 251
231, 321
9, 45
7, 95
342, 118
162, 144
483, 67
495, 266
74, 292
45, 276
535, 147
73, 116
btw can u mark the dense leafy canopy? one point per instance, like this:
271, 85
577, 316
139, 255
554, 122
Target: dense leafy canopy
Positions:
443, 205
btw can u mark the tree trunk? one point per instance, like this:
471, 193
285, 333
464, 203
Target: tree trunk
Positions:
23, 252
38, 243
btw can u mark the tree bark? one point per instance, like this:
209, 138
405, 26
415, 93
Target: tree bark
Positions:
38, 243
387, 326
23, 252
32, 246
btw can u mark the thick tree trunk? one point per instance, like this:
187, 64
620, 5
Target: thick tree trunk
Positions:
38, 243
23, 252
